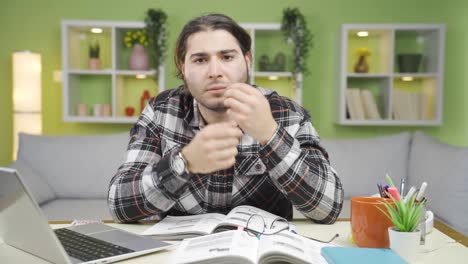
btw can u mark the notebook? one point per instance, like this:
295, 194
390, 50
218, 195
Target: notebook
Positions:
342, 255
23, 226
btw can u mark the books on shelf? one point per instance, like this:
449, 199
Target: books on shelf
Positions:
180, 227
410, 105
237, 246
361, 104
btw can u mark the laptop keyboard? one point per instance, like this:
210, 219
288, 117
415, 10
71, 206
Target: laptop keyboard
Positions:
87, 248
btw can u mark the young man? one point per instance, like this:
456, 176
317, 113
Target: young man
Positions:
216, 142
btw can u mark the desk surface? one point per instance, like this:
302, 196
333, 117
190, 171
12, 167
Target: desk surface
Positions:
439, 247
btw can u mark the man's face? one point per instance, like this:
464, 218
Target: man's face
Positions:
213, 61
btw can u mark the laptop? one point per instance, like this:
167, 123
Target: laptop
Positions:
23, 226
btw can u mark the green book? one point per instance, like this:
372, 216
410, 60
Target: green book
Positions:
341, 255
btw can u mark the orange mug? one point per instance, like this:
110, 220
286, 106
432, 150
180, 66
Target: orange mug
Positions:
369, 226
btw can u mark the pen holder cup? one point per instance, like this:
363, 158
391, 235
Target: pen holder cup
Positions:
369, 226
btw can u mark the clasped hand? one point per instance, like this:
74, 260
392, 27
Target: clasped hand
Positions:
215, 146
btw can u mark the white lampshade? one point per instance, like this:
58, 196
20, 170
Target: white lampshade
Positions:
26, 81
26, 95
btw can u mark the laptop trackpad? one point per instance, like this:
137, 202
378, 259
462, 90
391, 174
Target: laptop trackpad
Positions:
129, 240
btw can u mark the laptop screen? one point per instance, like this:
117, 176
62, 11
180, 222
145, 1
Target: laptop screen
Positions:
22, 224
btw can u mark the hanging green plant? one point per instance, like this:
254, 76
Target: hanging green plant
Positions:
156, 31
295, 32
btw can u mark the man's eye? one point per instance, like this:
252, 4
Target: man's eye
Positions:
199, 60
228, 57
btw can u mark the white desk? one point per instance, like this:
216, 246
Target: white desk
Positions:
439, 248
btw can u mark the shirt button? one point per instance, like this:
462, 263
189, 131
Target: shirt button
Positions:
258, 166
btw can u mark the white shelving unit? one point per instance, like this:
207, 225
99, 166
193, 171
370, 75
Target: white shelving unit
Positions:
114, 84
272, 31
402, 98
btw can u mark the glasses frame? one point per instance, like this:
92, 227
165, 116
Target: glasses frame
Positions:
257, 234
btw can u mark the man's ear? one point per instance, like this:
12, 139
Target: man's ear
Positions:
248, 61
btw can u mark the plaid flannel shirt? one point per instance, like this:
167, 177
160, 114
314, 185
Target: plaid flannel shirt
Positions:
291, 169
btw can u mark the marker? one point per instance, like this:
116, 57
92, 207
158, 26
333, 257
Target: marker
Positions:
422, 189
410, 193
394, 193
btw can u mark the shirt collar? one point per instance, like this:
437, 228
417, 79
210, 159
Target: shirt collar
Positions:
197, 121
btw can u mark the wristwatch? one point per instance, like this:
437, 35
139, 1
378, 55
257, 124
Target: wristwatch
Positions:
179, 163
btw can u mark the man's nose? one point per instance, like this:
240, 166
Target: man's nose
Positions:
214, 69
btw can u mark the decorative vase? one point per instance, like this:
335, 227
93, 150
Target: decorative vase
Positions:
409, 62
361, 66
138, 59
405, 244
94, 64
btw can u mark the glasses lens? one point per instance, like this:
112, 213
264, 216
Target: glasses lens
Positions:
256, 224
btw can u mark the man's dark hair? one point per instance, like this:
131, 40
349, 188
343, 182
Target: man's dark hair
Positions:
205, 23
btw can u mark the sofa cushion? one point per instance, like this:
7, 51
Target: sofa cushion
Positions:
36, 184
362, 163
76, 209
445, 169
75, 166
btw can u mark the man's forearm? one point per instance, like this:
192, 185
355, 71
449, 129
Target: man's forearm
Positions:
305, 176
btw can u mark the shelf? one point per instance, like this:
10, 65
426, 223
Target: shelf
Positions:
135, 73
91, 72
268, 74
92, 119
110, 89
367, 75
385, 96
271, 60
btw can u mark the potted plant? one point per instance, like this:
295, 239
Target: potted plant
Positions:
94, 63
137, 40
156, 31
295, 31
406, 216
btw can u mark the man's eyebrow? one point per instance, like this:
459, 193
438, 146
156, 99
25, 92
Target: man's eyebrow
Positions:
205, 54
228, 51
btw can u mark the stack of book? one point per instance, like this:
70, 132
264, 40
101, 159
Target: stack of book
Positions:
361, 104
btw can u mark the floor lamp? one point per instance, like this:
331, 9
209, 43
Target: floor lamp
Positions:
27, 108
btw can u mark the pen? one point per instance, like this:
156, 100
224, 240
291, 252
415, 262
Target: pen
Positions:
410, 193
379, 186
402, 187
390, 182
422, 189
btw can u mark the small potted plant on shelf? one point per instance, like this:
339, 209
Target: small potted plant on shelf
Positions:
137, 40
94, 63
405, 214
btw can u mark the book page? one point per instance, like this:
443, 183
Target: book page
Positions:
290, 247
231, 246
240, 215
177, 227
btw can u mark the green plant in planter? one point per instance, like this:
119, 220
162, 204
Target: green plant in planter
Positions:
94, 50
404, 215
156, 31
294, 28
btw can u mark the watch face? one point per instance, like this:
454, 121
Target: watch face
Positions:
178, 164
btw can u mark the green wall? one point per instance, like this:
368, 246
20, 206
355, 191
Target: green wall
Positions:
35, 25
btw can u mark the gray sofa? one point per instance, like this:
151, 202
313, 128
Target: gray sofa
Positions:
69, 175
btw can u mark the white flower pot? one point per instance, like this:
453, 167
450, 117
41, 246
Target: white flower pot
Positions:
405, 244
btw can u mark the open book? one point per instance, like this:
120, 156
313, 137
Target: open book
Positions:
240, 247
180, 227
